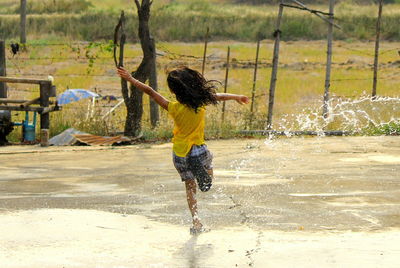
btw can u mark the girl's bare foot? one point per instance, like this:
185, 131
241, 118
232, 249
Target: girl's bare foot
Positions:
196, 222
196, 231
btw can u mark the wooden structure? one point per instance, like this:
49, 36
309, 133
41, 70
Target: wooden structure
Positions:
226, 83
275, 61
203, 66
47, 90
3, 88
328, 59
377, 39
253, 92
329, 18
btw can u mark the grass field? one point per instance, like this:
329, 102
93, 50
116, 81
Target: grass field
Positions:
55, 26
299, 89
188, 20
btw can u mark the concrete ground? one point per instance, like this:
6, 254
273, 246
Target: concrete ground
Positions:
298, 202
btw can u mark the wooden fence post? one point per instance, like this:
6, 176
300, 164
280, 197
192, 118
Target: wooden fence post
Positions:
275, 62
45, 88
154, 110
23, 22
253, 92
205, 51
3, 85
226, 83
328, 59
378, 32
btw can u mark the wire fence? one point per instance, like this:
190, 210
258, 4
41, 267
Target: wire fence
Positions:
171, 54
85, 52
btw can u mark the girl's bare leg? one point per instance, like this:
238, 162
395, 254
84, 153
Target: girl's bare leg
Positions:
192, 202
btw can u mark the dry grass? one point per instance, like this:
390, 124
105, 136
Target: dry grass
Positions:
300, 79
187, 21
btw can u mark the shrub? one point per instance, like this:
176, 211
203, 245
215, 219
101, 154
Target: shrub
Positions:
392, 128
59, 6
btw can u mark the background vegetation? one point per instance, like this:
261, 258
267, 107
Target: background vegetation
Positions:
187, 20
298, 97
69, 40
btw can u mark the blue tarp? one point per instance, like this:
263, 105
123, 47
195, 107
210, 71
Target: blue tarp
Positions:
72, 95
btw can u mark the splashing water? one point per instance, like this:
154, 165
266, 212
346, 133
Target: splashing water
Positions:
352, 115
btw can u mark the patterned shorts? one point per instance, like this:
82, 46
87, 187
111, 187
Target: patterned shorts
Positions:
182, 164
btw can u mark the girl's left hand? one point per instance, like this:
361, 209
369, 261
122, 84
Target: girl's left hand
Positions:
241, 99
123, 73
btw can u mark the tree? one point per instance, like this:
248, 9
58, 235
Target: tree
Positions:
23, 22
134, 97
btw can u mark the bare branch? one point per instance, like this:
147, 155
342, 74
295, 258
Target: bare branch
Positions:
119, 26
137, 4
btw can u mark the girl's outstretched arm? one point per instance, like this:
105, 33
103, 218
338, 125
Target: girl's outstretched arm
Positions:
157, 97
241, 99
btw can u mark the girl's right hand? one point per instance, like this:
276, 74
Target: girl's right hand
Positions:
241, 99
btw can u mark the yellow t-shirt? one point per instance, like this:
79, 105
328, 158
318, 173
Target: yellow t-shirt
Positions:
188, 127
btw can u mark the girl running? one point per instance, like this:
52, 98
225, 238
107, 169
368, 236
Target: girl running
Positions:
191, 158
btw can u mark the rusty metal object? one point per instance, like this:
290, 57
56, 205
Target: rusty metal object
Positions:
99, 140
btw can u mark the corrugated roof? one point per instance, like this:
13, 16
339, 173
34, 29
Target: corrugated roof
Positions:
98, 140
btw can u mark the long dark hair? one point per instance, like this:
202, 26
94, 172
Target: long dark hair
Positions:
191, 88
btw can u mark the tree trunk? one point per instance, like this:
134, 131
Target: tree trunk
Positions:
23, 22
134, 106
154, 109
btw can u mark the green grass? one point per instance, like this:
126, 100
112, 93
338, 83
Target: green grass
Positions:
392, 128
298, 93
301, 72
188, 20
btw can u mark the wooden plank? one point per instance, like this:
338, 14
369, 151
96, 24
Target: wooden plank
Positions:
23, 80
3, 86
253, 92
30, 102
275, 62
44, 102
226, 83
205, 51
19, 108
112, 109
377, 39
45, 89
4, 100
50, 109
40, 110
328, 60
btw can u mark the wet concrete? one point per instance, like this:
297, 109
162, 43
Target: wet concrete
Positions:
299, 202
